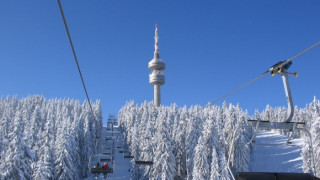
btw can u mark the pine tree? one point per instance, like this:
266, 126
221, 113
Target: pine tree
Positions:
223, 164
315, 131
45, 165
66, 153
35, 127
164, 160
191, 142
201, 166
18, 157
311, 154
64, 163
214, 172
210, 133
241, 154
307, 156
180, 148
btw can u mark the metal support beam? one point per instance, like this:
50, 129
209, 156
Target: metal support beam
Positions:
288, 95
273, 125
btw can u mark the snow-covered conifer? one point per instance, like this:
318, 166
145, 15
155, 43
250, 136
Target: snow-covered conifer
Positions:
200, 162
315, 131
164, 161
191, 142
18, 155
214, 171
223, 164
65, 166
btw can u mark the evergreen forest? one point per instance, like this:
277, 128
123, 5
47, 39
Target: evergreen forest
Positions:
47, 139
55, 138
202, 142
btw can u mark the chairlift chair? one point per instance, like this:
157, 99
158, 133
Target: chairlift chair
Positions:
142, 162
101, 170
128, 156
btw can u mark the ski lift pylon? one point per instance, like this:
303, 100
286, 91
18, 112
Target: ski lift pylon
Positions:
286, 125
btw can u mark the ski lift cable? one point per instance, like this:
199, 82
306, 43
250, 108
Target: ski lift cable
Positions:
239, 88
75, 56
280, 65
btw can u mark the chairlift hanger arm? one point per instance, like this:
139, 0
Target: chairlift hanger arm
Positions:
281, 69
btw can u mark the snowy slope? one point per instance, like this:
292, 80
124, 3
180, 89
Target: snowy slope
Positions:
121, 165
271, 154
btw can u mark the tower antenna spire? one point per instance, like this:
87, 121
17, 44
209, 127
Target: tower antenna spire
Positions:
156, 42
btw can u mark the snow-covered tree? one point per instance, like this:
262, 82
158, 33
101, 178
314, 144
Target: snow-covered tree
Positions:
223, 164
191, 142
179, 148
45, 164
65, 159
18, 155
200, 162
35, 129
214, 171
315, 131
164, 161
311, 155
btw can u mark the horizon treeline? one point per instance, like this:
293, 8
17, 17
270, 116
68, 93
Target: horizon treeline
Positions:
55, 138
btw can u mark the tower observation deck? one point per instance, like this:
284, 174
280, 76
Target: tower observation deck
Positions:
156, 65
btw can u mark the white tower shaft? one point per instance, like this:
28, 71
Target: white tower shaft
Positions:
157, 95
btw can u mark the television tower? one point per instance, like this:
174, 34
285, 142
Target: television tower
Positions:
156, 65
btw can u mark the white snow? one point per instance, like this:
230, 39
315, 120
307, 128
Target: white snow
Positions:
121, 166
272, 154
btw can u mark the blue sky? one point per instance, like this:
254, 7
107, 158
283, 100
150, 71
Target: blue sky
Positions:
210, 48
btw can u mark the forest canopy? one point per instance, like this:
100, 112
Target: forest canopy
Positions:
47, 139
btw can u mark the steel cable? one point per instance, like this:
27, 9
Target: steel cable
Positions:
265, 73
75, 57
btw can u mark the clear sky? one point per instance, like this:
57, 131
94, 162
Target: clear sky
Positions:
210, 48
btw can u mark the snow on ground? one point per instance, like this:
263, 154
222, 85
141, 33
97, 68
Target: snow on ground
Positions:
112, 143
271, 154
122, 167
